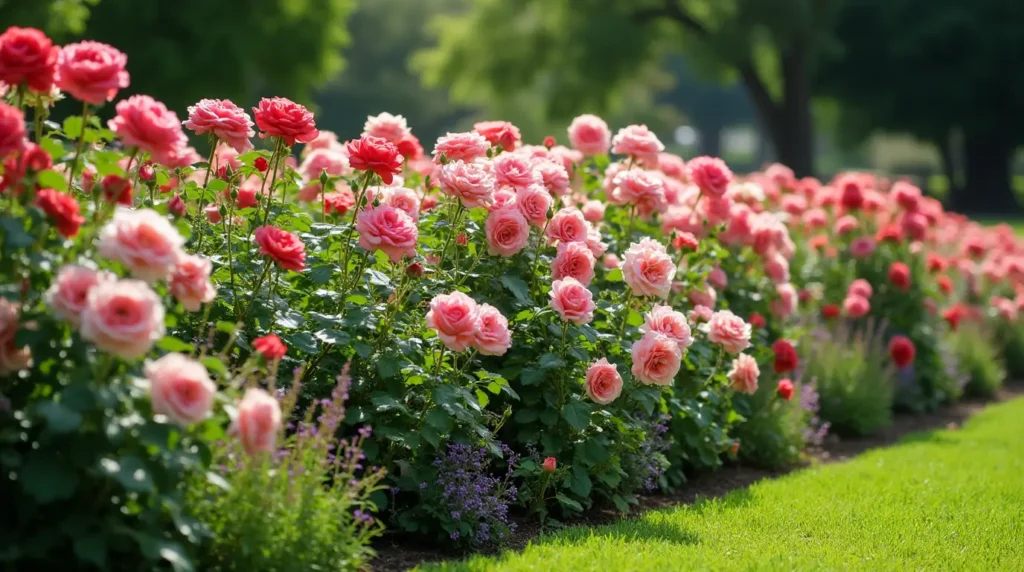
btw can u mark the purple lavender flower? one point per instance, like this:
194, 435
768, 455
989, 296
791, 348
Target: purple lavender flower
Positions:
469, 494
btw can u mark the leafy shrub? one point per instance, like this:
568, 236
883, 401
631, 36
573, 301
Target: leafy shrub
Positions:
979, 360
1009, 335
776, 426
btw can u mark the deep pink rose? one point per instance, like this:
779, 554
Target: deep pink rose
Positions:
776, 267
656, 359
589, 134
744, 373
388, 229
507, 231
672, 165
855, 306
281, 117
281, 246
12, 357
392, 128
124, 318
28, 56
784, 305
572, 300
180, 388
91, 71
500, 133
145, 123
846, 224
12, 130
862, 247
319, 160
718, 278
68, 295
860, 287
667, 321
461, 147
816, 218
647, 269
718, 210
491, 335
63, 209
710, 174
603, 383
728, 330
370, 153
230, 123
454, 318
144, 241
258, 422
190, 282
638, 142
534, 202
568, 225
472, 183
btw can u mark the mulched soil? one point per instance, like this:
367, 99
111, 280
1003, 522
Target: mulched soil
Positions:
396, 553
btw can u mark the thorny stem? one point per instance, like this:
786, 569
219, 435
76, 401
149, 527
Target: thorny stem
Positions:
202, 195
275, 161
346, 243
79, 145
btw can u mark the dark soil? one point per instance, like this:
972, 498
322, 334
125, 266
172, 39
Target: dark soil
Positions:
396, 553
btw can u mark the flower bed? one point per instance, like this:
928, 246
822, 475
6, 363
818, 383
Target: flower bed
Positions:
257, 359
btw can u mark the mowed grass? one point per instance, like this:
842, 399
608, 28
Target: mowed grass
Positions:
937, 501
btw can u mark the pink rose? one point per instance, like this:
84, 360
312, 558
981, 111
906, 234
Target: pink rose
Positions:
786, 302
639, 142
718, 278
331, 160
472, 183
594, 243
147, 124
213, 214
860, 287
144, 241
574, 260
282, 117
180, 388
507, 231
855, 306
190, 282
91, 72
12, 130
387, 229
403, 199
124, 318
815, 218
499, 133
454, 318
505, 197
534, 202
567, 225
710, 174
644, 189
491, 336
593, 211
12, 358
610, 261
776, 267
590, 135
718, 210
603, 383
225, 120
461, 147
744, 373
862, 247
511, 170
672, 165
728, 330
257, 422
554, 176
846, 224
703, 296
572, 300
386, 126
648, 269
656, 359
68, 295
699, 314
665, 320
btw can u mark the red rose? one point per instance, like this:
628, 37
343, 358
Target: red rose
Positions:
117, 189
549, 465
953, 315
370, 153
32, 159
176, 206
936, 263
63, 209
899, 275
786, 359
410, 148
28, 56
282, 246
945, 284
12, 130
830, 311
785, 389
415, 270
270, 347
549, 142
280, 117
499, 133
889, 233
902, 351
261, 164
851, 192
757, 320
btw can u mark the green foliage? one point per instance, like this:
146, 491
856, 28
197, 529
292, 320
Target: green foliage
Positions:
1009, 337
774, 431
979, 359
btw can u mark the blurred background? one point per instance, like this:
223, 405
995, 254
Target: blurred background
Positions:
930, 90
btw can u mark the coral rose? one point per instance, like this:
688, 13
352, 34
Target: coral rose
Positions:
389, 230
507, 231
180, 388
549, 465
62, 209
270, 347
574, 260
370, 153
728, 330
144, 241
190, 282
461, 147
143, 122
665, 320
124, 318
257, 422
283, 247
647, 269
785, 389
656, 359
230, 123
91, 71
593, 211
68, 295
744, 373
572, 300
499, 133
28, 57
491, 336
454, 318
710, 174
472, 183
603, 383
281, 117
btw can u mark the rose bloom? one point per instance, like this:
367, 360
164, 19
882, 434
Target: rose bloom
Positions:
549, 465
454, 316
331, 160
728, 330
718, 278
403, 199
213, 214
718, 210
829, 311
12, 358
144, 241
91, 71
461, 147
62, 209
534, 202
647, 269
28, 57
744, 373
499, 133
117, 190
257, 422
410, 148
283, 247
902, 351
224, 119
846, 224
644, 189
491, 336
69, 293
386, 126
504, 197
593, 211
756, 320
589, 134
776, 267
180, 388
786, 359
899, 275
656, 359
785, 389
554, 176
851, 191
667, 321
572, 300
906, 195
856, 306
786, 303
190, 282
699, 314
282, 117
860, 287
567, 225
270, 347
703, 296
388, 229
123, 317
472, 183
12, 130
375, 154
603, 383
145, 123
710, 174
611, 261
574, 260
507, 231
514, 171
862, 247
638, 142
816, 218
672, 165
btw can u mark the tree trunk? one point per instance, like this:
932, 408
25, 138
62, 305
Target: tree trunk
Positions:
987, 188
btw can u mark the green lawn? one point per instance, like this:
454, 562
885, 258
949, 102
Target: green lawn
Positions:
937, 501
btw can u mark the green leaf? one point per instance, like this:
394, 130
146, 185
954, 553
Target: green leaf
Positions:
322, 274
384, 402
15, 236
217, 185
92, 548
335, 337
580, 482
431, 435
214, 364
218, 481
526, 415
439, 420
52, 180
614, 275
482, 398
378, 278
363, 349
290, 319
592, 452
517, 287
531, 376
577, 414
227, 327
73, 127
130, 471
551, 361
568, 502
59, 417
172, 344
387, 367
494, 387
46, 479
634, 319
620, 503
302, 341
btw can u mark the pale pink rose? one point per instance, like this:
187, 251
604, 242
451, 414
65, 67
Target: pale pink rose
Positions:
639, 142
257, 422
331, 160
611, 260
68, 295
572, 300
180, 388
472, 183
672, 165
12, 357
387, 229
746, 192
728, 330
795, 205
786, 303
516, 171
454, 316
593, 211
190, 282
124, 318
846, 224
667, 321
595, 244
862, 247
744, 373
568, 225
461, 147
224, 119
507, 231
682, 219
603, 383
554, 177
656, 359
815, 218
491, 336
574, 260
704, 296
718, 278
144, 241
860, 287
386, 126
648, 269
644, 189
613, 170
589, 134
776, 267
534, 202
699, 314
504, 197
856, 306
325, 140
403, 199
